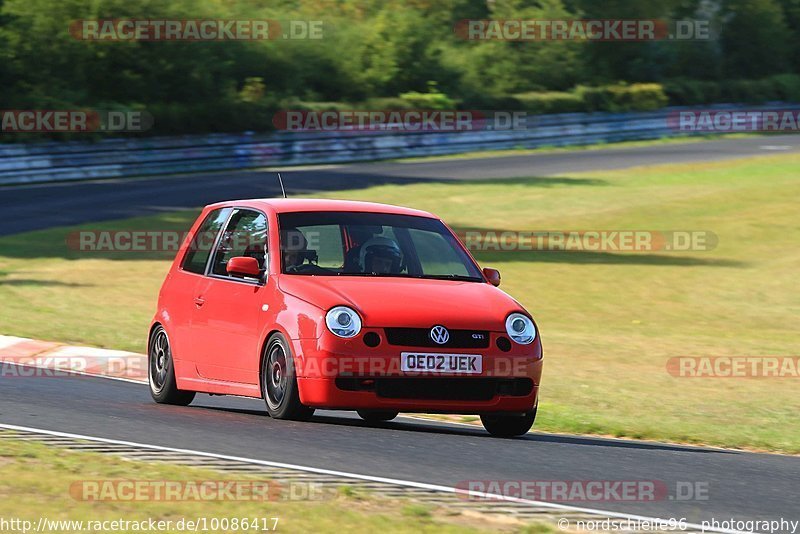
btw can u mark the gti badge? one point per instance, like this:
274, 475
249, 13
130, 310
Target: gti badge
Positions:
440, 335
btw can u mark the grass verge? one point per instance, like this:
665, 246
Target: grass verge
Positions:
609, 321
40, 481
552, 149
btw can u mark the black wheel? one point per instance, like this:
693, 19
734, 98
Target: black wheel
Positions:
279, 382
508, 426
377, 416
161, 372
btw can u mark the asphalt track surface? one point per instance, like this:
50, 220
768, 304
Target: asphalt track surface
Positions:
740, 485
36, 207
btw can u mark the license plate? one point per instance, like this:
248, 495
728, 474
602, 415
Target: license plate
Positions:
426, 362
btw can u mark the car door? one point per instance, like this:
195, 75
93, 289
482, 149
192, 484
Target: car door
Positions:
229, 314
180, 289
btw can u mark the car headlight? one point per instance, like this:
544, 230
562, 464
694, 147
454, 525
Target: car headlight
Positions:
343, 321
520, 328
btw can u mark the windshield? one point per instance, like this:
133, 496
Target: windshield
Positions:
372, 244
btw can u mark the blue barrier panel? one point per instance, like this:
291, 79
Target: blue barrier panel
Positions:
114, 158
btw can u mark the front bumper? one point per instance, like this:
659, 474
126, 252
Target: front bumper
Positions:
347, 374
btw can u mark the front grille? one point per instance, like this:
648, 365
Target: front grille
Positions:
420, 337
466, 389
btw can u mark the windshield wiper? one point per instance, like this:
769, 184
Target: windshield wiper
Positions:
383, 275
459, 277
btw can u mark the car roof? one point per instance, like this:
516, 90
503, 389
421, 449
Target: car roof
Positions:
289, 205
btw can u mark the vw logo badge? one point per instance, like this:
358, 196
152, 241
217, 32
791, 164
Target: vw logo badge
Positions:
440, 335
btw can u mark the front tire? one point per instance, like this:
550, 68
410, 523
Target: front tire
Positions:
279, 382
508, 426
161, 371
377, 416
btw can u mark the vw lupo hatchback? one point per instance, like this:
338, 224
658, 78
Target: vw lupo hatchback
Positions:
341, 305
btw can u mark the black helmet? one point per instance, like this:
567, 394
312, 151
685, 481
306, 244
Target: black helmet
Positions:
380, 247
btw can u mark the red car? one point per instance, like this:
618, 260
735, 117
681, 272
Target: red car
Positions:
341, 305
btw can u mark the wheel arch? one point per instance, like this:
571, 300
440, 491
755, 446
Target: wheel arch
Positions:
263, 353
153, 327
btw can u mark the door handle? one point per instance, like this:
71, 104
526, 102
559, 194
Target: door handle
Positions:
199, 301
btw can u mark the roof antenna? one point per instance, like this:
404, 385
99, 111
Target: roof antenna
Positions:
280, 180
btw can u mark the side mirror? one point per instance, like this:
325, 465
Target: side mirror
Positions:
492, 275
243, 266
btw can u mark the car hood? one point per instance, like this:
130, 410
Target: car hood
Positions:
409, 302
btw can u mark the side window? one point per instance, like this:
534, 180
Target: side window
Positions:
203, 241
245, 235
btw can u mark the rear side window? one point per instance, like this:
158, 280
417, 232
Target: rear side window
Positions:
203, 241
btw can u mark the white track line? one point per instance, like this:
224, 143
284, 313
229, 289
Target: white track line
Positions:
355, 476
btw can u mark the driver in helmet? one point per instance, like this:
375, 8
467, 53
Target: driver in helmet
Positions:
380, 255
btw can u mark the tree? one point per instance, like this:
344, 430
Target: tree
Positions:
754, 38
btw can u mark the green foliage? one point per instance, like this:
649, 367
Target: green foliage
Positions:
643, 97
787, 87
783, 87
253, 89
750, 91
683, 92
433, 99
621, 97
389, 54
551, 102
616, 97
389, 102
754, 38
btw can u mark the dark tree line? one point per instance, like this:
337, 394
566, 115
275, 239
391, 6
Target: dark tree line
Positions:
376, 52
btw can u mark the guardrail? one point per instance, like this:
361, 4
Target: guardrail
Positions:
113, 158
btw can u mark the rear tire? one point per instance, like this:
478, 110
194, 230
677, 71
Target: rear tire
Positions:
508, 426
279, 382
377, 416
161, 371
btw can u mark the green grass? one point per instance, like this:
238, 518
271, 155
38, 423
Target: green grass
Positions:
609, 321
54, 292
37, 481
